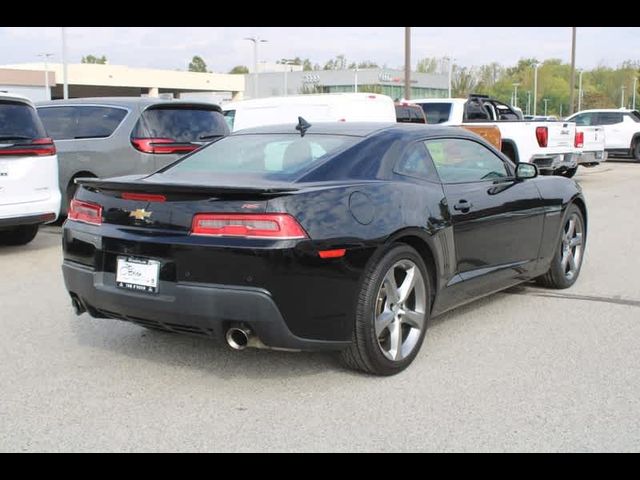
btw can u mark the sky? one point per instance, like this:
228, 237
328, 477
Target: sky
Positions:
222, 48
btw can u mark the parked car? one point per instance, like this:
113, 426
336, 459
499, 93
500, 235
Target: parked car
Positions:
29, 194
549, 145
338, 236
105, 137
326, 107
409, 113
591, 141
621, 129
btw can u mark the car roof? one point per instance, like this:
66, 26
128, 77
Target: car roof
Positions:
605, 110
15, 98
122, 102
362, 129
329, 98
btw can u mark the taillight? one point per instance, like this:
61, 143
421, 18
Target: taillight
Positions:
85, 212
162, 145
579, 141
143, 197
542, 135
39, 146
279, 226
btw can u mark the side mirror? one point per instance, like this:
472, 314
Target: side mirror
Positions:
526, 170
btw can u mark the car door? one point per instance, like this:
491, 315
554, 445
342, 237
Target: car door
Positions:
614, 131
497, 220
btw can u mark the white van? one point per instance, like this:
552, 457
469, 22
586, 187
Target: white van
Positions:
328, 107
29, 194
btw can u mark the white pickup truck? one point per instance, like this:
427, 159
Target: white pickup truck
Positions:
551, 146
591, 141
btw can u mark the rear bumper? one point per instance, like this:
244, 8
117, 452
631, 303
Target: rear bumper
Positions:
43, 211
592, 158
199, 309
552, 163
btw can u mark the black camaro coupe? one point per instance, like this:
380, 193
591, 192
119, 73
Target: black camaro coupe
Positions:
336, 236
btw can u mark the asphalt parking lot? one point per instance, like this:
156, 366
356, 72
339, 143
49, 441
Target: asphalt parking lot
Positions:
525, 370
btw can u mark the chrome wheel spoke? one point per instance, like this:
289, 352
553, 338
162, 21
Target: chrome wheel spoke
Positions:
408, 284
390, 287
413, 318
564, 260
395, 340
577, 240
572, 228
383, 321
572, 262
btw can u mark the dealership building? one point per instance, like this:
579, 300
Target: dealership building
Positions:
95, 80
379, 80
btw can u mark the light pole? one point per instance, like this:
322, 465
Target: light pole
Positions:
515, 94
355, 80
580, 90
528, 102
535, 87
65, 88
46, 74
572, 80
256, 40
545, 100
622, 98
635, 83
407, 63
450, 59
286, 68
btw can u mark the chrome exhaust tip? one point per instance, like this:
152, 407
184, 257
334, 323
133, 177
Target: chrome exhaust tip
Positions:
238, 338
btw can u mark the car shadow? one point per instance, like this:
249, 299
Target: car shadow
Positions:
43, 240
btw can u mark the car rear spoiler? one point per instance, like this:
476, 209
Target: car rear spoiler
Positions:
179, 188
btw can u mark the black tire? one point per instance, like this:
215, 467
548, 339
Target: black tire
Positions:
557, 276
570, 172
635, 150
366, 352
18, 235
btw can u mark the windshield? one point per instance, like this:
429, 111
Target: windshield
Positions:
19, 121
436, 112
266, 156
181, 124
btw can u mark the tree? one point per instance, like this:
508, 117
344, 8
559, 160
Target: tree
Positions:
463, 81
239, 69
197, 64
93, 59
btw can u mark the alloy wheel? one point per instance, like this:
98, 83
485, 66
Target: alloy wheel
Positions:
572, 246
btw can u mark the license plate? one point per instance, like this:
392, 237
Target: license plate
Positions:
138, 274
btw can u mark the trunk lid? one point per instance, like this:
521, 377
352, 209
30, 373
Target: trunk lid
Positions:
561, 134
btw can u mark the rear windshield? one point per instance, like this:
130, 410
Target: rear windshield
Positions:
81, 121
19, 121
436, 112
181, 124
268, 156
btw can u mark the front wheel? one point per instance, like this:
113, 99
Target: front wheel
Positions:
567, 260
635, 151
391, 314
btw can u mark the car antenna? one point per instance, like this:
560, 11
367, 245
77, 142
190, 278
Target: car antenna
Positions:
302, 126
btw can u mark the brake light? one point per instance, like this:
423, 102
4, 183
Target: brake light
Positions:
85, 212
249, 225
542, 135
143, 197
39, 146
579, 141
162, 145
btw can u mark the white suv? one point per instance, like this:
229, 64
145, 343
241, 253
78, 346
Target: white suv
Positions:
621, 129
29, 193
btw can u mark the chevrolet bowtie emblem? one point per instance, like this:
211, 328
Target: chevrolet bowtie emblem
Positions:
140, 214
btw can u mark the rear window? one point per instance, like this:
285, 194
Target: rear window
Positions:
609, 118
181, 124
75, 122
436, 112
269, 156
19, 121
407, 114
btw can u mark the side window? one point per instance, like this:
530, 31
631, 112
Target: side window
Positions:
461, 160
64, 123
609, 118
474, 111
415, 162
229, 116
583, 120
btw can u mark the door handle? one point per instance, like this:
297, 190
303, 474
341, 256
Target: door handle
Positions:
463, 206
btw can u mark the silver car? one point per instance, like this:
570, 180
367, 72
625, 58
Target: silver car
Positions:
107, 137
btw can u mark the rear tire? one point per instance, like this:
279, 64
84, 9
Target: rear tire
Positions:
567, 259
635, 151
391, 313
570, 172
19, 235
